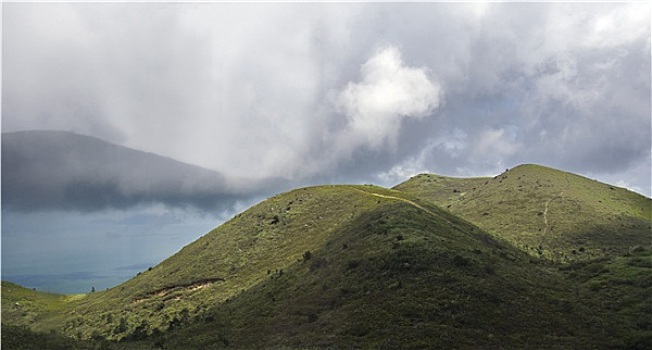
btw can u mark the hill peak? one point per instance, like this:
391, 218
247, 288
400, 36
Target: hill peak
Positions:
543, 210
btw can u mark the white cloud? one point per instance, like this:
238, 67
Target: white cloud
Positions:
494, 144
453, 144
388, 92
627, 185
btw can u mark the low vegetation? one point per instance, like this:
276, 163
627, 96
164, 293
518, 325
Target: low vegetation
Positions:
369, 267
548, 213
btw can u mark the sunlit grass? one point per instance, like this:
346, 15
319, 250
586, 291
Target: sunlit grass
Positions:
546, 212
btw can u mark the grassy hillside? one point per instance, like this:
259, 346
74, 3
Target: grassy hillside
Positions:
354, 267
550, 213
23, 308
20, 304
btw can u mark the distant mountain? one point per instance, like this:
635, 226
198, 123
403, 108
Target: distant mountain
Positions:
548, 212
62, 170
367, 267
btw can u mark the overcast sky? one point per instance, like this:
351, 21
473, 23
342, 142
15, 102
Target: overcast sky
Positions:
342, 91
307, 93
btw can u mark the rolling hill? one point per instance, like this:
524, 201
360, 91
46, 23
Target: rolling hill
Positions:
367, 267
547, 212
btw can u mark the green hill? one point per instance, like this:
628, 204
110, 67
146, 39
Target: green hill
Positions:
548, 212
353, 267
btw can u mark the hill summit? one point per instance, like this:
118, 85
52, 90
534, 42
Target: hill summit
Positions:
512, 261
545, 211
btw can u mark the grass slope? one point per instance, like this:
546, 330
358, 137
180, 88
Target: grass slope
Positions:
353, 267
23, 308
551, 213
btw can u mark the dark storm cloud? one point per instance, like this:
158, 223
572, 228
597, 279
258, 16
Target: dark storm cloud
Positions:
48, 170
300, 91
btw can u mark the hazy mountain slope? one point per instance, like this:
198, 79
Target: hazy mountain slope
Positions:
63, 170
344, 267
548, 212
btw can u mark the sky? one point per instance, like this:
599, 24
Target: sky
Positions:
342, 92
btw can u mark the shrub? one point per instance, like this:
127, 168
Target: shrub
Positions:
352, 264
640, 262
318, 263
636, 249
307, 255
459, 260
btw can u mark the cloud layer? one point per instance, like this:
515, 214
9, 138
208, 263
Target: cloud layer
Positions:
342, 92
49, 170
260, 97
388, 92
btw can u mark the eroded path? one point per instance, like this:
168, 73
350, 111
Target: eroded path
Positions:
412, 203
545, 216
191, 287
545, 212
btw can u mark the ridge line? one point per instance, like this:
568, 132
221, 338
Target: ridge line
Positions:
410, 202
